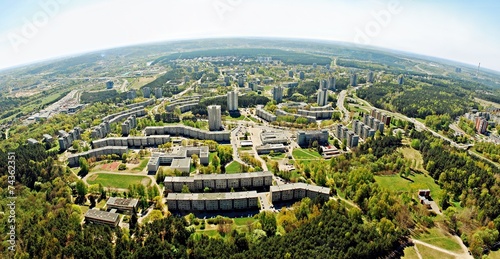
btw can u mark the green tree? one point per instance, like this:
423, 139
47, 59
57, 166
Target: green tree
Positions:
185, 189
84, 166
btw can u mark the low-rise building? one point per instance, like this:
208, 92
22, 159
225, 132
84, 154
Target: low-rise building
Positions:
73, 160
273, 137
276, 148
102, 217
265, 115
158, 159
306, 138
212, 201
297, 191
199, 182
32, 141
181, 130
120, 204
136, 142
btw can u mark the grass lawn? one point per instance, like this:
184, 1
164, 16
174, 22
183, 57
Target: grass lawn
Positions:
84, 209
243, 221
494, 255
101, 204
305, 154
412, 154
438, 237
142, 165
277, 156
211, 156
410, 253
420, 181
429, 253
118, 180
233, 168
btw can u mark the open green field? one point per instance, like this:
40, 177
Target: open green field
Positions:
494, 255
233, 168
305, 154
429, 253
243, 221
413, 155
142, 165
420, 181
410, 253
118, 180
438, 237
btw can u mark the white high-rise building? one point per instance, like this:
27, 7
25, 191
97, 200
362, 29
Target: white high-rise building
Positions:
214, 117
232, 101
278, 93
322, 97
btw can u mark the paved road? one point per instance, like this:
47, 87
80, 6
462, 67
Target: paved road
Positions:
340, 104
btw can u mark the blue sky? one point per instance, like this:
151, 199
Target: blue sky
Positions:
465, 31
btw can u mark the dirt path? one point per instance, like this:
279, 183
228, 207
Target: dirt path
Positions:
418, 252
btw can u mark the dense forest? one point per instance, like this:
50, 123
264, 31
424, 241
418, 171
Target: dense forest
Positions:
418, 98
474, 184
287, 57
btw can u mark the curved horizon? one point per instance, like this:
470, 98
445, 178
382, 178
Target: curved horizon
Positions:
458, 31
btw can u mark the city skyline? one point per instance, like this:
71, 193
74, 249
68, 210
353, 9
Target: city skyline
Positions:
39, 30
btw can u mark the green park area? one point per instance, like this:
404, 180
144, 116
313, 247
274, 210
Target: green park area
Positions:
117, 180
233, 168
440, 238
410, 184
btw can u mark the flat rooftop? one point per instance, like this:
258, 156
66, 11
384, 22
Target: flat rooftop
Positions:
182, 162
212, 196
122, 202
293, 186
218, 176
102, 215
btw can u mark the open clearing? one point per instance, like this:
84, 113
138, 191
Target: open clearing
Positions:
438, 237
233, 168
118, 180
420, 181
429, 253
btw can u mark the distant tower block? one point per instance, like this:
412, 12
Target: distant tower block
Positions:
131, 94
323, 84
158, 93
290, 73
369, 77
214, 117
241, 81
322, 97
331, 83
301, 75
354, 80
146, 92
278, 94
401, 79
109, 84
227, 80
232, 101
